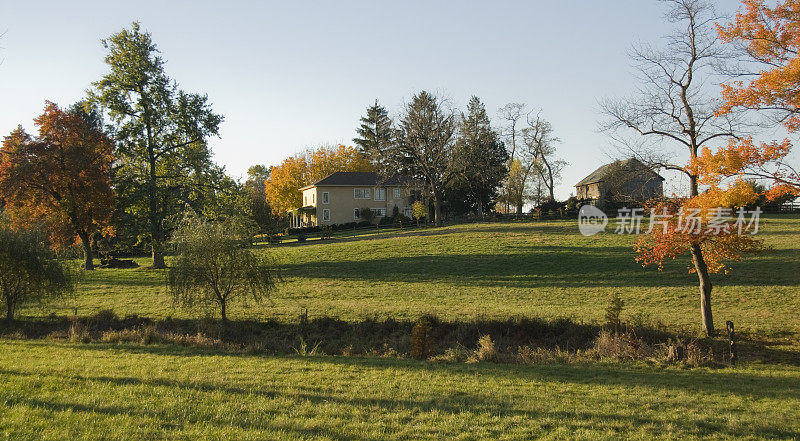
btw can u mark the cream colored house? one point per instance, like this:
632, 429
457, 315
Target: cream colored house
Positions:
340, 197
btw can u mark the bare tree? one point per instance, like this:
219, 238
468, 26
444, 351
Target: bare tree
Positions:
511, 116
540, 143
673, 110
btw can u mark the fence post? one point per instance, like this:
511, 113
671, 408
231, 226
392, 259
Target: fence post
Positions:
732, 342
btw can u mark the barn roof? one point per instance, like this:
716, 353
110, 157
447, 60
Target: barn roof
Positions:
631, 164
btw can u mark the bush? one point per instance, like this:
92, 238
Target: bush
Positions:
421, 341
485, 350
613, 311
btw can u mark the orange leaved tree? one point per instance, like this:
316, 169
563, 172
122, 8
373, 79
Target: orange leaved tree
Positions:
306, 168
61, 177
770, 36
672, 118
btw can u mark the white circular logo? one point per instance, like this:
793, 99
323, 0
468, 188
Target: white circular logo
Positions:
591, 220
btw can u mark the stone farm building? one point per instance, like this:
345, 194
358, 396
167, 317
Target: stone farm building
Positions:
340, 197
625, 182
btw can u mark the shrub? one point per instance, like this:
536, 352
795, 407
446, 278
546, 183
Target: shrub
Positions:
485, 350
421, 339
620, 346
613, 311
367, 215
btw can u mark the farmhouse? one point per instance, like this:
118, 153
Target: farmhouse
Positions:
340, 198
627, 181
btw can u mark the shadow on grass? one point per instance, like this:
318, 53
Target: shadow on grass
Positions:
751, 386
547, 266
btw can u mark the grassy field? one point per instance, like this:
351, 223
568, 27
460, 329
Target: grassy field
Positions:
57, 391
52, 389
490, 270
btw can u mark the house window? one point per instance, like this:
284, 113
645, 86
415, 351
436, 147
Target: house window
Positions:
397, 193
326, 197
380, 194
379, 212
313, 198
407, 213
361, 193
326, 215
356, 214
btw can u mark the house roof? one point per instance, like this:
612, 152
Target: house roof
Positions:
600, 174
357, 179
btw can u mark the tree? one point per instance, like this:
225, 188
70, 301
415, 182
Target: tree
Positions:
479, 160
259, 209
305, 168
674, 109
419, 210
425, 142
517, 184
511, 114
215, 267
770, 38
376, 138
539, 142
61, 178
366, 214
162, 131
29, 271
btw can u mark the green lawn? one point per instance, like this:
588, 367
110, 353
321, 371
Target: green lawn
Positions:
57, 391
489, 270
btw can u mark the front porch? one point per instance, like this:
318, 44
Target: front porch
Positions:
303, 217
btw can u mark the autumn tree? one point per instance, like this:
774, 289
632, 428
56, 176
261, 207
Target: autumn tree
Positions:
425, 142
61, 177
376, 138
769, 36
673, 110
282, 186
162, 131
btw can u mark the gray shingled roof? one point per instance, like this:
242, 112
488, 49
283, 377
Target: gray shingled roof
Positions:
600, 174
357, 179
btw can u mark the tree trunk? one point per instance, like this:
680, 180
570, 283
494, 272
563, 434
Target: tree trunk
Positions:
480, 208
9, 310
519, 209
705, 289
222, 311
88, 255
437, 211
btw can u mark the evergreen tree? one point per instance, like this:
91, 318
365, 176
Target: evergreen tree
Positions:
376, 138
479, 160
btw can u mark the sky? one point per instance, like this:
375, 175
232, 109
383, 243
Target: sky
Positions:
291, 75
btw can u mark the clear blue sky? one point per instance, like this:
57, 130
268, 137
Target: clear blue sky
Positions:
289, 75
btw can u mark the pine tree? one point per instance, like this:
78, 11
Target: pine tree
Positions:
376, 137
480, 160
